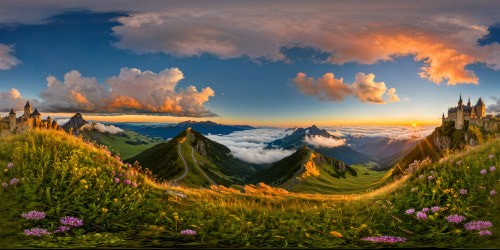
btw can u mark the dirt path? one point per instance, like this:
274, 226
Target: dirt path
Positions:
201, 170
186, 170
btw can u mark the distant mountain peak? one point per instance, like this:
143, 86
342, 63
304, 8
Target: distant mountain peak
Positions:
74, 123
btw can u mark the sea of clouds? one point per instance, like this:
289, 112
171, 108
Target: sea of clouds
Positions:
392, 132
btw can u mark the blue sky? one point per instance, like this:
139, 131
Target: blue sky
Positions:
249, 85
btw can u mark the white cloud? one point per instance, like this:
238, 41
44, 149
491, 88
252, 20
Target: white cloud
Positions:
132, 90
494, 108
7, 59
393, 132
320, 141
13, 99
329, 88
108, 129
249, 145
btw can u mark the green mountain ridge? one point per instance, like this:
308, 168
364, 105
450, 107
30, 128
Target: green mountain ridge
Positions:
194, 160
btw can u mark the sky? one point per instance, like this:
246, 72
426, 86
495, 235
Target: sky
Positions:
273, 63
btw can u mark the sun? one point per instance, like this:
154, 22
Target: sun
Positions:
414, 124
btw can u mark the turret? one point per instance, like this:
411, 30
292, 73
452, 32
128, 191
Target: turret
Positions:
12, 119
49, 122
460, 102
443, 119
37, 117
468, 103
27, 110
480, 108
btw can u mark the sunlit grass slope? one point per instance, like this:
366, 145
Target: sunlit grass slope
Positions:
62, 176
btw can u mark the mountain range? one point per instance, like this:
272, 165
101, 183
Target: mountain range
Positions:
301, 136
172, 130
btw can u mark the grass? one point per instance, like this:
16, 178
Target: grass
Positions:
127, 144
154, 214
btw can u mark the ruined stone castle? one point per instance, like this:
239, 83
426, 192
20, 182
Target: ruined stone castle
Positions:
27, 121
472, 114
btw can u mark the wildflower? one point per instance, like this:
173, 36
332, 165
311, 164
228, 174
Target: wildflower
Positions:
188, 232
459, 162
430, 177
492, 168
477, 225
421, 176
127, 182
414, 189
421, 215
484, 232
83, 181
71, 221
86, 186
34, 215
134, 184
115, 199
117, 180
336, 234
14, 181
104, 210
455, 218
384, 238
4, 185
38, 232
463, 191
410, 211
62, 229
10, 165
493, 192
483, 172
491, 156
6, 170
435, 209
425, 209
432, 172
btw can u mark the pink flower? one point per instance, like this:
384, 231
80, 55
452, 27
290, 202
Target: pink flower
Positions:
421, 215
10, 165
430, 177
493, 192
435, 209
491, 156
425, 209
455, 218
492, 168
188, 232
410, 211
117, 180
127, 182
14, 181
483, 172
463, 191
484, 232
477, 225
384, 239
4, 184
134, 184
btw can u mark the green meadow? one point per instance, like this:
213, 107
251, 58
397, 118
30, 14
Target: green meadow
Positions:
125, 206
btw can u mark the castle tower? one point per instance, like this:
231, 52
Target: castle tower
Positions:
12, 120
468, 103
459, 119
37, 117
460, 102
443, 119
49, 122
27, 110
480, 108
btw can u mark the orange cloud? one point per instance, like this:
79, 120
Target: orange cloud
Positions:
329, 88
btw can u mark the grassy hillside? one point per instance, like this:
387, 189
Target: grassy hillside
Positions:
126, 144
62, 176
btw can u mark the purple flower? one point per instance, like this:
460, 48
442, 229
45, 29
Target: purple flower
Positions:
127, 182
10, 165
117, 180
384, 238
435, 209
425, 209
491, 156
71, 221
463, 191
430, 177
421, 215
4, 184
483, 172
492, 168
477, 225
62, 229
410, 211
38, 232
14, 181
134, 184
455, 218
34, 215
484, 232
188, 232
493, 192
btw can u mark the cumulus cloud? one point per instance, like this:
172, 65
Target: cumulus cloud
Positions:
7, 59
249, 145
494, 108
329, 88
442, 35
108, 129
132, 90
13, 99
320, 141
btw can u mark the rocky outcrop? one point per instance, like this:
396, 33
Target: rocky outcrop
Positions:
74, 124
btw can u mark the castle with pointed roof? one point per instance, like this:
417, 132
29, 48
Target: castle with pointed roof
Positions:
28, 120
472, 114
